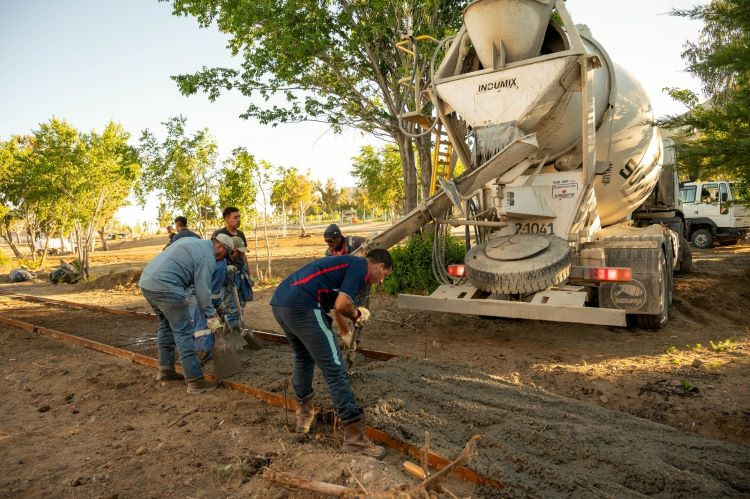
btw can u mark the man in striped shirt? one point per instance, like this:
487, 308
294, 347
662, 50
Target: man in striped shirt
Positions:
301, 305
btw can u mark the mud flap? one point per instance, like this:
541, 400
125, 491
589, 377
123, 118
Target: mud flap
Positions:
642, 295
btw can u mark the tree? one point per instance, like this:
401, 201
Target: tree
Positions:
181, 169
292, 190
332, 62
237, 187
51, 177
714, 137
10, 192
377, 174
329, 195
109, 170
58, 179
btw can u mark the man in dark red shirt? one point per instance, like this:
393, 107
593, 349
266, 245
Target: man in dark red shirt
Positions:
301, 305
338, 244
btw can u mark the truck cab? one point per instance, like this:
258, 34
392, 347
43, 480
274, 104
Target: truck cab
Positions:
713, 214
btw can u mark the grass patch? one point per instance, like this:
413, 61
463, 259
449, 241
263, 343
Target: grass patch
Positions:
723, 345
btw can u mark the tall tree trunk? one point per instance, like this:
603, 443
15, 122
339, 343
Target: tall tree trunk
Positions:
103, 237
303, 232
409, 171
44, 249
283, 218
8, 236
424, 145
62, 241
30, 230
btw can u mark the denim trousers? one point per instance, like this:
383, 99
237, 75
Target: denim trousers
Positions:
232, 309
176, 329
314, 343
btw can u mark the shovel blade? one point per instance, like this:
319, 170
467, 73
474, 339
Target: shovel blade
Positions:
227, 359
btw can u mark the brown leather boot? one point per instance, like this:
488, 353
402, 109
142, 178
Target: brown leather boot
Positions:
356, 442
305, 416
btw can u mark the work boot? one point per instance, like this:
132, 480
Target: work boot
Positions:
356, 442
305, 416
168, 375
201, 385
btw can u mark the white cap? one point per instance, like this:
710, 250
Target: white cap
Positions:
225, 240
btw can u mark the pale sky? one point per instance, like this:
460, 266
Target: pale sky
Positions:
90, 61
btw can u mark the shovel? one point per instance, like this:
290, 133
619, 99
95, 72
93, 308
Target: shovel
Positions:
250, 339
226, 352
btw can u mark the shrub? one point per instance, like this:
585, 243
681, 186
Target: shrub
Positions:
412, 265
5, 260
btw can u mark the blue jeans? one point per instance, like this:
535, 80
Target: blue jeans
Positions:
175, 329
232, 309
314, 343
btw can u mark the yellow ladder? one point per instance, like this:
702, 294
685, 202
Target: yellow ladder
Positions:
441, 158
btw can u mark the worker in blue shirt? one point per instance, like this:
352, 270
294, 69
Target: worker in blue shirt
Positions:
301, 305
187, 262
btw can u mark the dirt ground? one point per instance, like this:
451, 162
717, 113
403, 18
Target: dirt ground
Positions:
77, 423
691, 376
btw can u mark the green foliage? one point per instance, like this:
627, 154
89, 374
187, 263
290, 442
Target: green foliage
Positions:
5, 260
329, 195
332, 62
378, 173
723, 345
412, 265
181, 169
237, 187
713, 139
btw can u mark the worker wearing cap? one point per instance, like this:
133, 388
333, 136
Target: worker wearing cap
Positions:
338, 244
301, 305
187, 262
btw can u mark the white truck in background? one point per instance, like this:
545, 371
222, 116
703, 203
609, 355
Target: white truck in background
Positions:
713, 214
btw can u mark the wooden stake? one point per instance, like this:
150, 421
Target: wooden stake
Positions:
183, 416
312, 485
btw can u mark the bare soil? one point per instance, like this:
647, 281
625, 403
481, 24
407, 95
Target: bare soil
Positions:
556, 402
78, 423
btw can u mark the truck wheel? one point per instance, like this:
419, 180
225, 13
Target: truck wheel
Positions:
533, 262
686, 257
656, 321
703, 239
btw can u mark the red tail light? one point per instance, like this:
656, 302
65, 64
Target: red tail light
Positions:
457, 270
612, 274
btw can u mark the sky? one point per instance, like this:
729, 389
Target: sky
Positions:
89, 61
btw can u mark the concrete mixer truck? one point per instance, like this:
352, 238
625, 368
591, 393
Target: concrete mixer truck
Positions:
575, 220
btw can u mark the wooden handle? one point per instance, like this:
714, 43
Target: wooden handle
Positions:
414, 470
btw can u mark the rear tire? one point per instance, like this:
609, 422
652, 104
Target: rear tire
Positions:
702, 238
656, 321
686, 257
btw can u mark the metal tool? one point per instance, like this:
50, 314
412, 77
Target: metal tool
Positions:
249, 337
226, 352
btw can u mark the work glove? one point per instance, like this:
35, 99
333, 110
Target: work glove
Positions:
214, 324
231, 270
347, 339
363, 316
